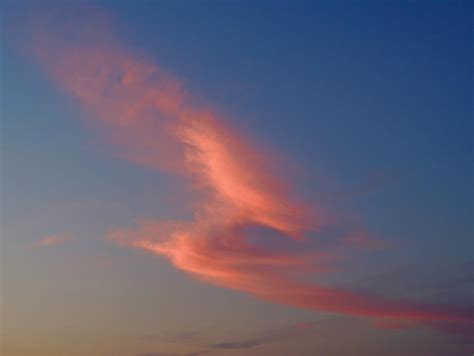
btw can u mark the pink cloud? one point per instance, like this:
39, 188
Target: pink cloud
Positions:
154, 122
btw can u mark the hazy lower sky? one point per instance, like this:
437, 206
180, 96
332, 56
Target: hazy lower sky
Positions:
237, 178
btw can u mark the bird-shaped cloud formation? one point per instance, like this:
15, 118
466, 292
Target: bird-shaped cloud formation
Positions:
147, 115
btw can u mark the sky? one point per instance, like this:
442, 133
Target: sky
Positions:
236, 178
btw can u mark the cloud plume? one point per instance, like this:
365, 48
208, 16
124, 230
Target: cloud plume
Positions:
146, 113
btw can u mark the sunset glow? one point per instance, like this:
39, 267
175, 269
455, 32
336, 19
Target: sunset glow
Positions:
242, 220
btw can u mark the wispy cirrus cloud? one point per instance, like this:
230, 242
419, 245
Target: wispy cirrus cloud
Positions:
153, 121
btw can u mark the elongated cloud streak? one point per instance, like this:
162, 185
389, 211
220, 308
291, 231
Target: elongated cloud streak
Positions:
145, 112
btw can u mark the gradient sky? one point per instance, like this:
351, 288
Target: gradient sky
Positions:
237, 178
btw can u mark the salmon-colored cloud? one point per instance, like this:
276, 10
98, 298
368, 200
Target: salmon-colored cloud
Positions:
154, 122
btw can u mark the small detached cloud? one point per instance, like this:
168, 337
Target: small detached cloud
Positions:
246, 344
196, 353
277, 334
179, 337
53, 240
